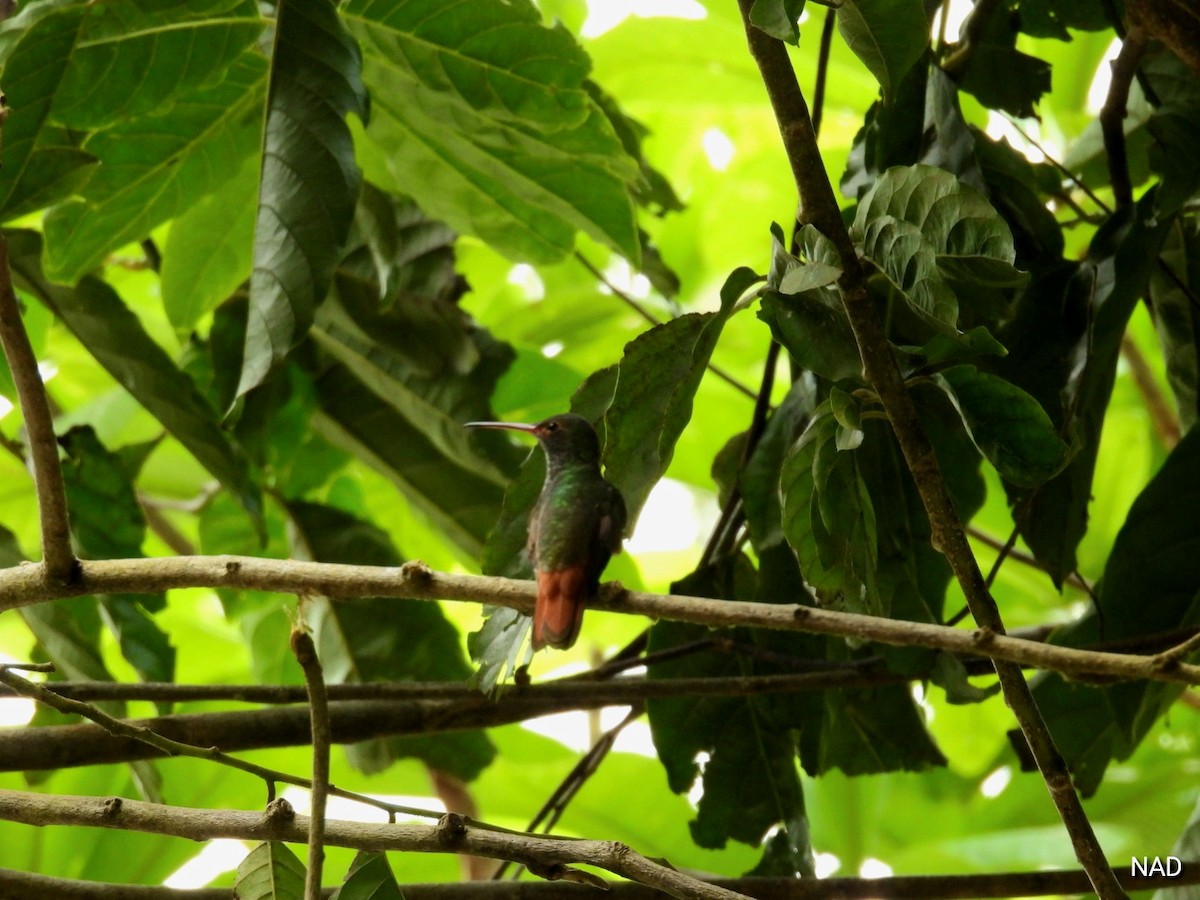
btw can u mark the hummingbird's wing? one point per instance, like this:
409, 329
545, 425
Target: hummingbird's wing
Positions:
610, 530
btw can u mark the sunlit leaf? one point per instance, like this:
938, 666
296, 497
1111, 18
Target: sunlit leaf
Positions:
270, 872
888, 36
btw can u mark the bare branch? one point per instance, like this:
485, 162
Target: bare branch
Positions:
451, 834
1166, 423
318, 708
39, 427
24, 586
1112, 115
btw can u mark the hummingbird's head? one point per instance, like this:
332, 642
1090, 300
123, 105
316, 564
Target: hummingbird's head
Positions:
566, 438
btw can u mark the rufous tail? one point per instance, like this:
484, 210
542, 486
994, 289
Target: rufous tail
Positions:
558, 612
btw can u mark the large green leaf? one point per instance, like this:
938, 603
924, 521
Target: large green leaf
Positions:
464, 505
135, 58
887, 35
750, 778
829, 519
154, 167
935, 239
376, 639
1156, 555
778, 18
1008, 426
301, 230
107, 523
42, 163
490, 108
1177, 316
656, 382
115, 337
1089, 312
209, 249
270, 872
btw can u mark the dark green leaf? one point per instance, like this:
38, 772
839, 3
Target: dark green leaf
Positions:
932, 236
998, 75
892, 134
143, 643
376, 639
778, 18
949, 143
300, 233
1008, 426
759, 480
369, 878
153, 168
1017, 189
492, 109
951, 676
68, 630
1053, 19
1173, 289
463, 504
115, 337
656, 385
1156, 555
270, 872
1092, 313
875, 730
828, 518
750, 779
888, 36
945, 349
42, 163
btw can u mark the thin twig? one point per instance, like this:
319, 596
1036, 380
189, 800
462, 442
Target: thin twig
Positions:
1166, 423
569, 787
1063, 170
39, 428
318, 708
1112, 116
165, 529
1074, 579
168, 747
823, 68
883, 374
654, 320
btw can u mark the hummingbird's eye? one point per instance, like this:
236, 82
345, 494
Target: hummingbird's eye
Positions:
552, 426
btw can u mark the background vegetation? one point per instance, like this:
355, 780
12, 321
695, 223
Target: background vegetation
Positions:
270, 256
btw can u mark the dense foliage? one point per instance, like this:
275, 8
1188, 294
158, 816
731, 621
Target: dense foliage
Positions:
271, 256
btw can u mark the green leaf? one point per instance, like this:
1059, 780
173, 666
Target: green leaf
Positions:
68, 630
270, 872
1001, 77
310, 181
492, 109
759, 480
377, 639
209, 249
1086, 319
945, 349
750, 778
153, 168
1008, 426
934, 238
463, 504
888, 36
369, 878
778, 18
828, 518
134, 59
42, 163
1177, 318
656, 385
114, 336
107, 523
1156, 555
950, 675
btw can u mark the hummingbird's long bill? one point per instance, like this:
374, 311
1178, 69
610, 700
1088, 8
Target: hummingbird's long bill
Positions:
510, 426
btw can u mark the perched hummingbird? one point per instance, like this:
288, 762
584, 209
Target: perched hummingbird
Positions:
574, 529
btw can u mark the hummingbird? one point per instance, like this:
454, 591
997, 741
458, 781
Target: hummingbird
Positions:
574, 529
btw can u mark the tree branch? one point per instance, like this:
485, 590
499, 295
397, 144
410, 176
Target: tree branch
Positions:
883, 374
39, 427
899, 887
318, 707
1166, 423
23, 586
450, 835
1112, 115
